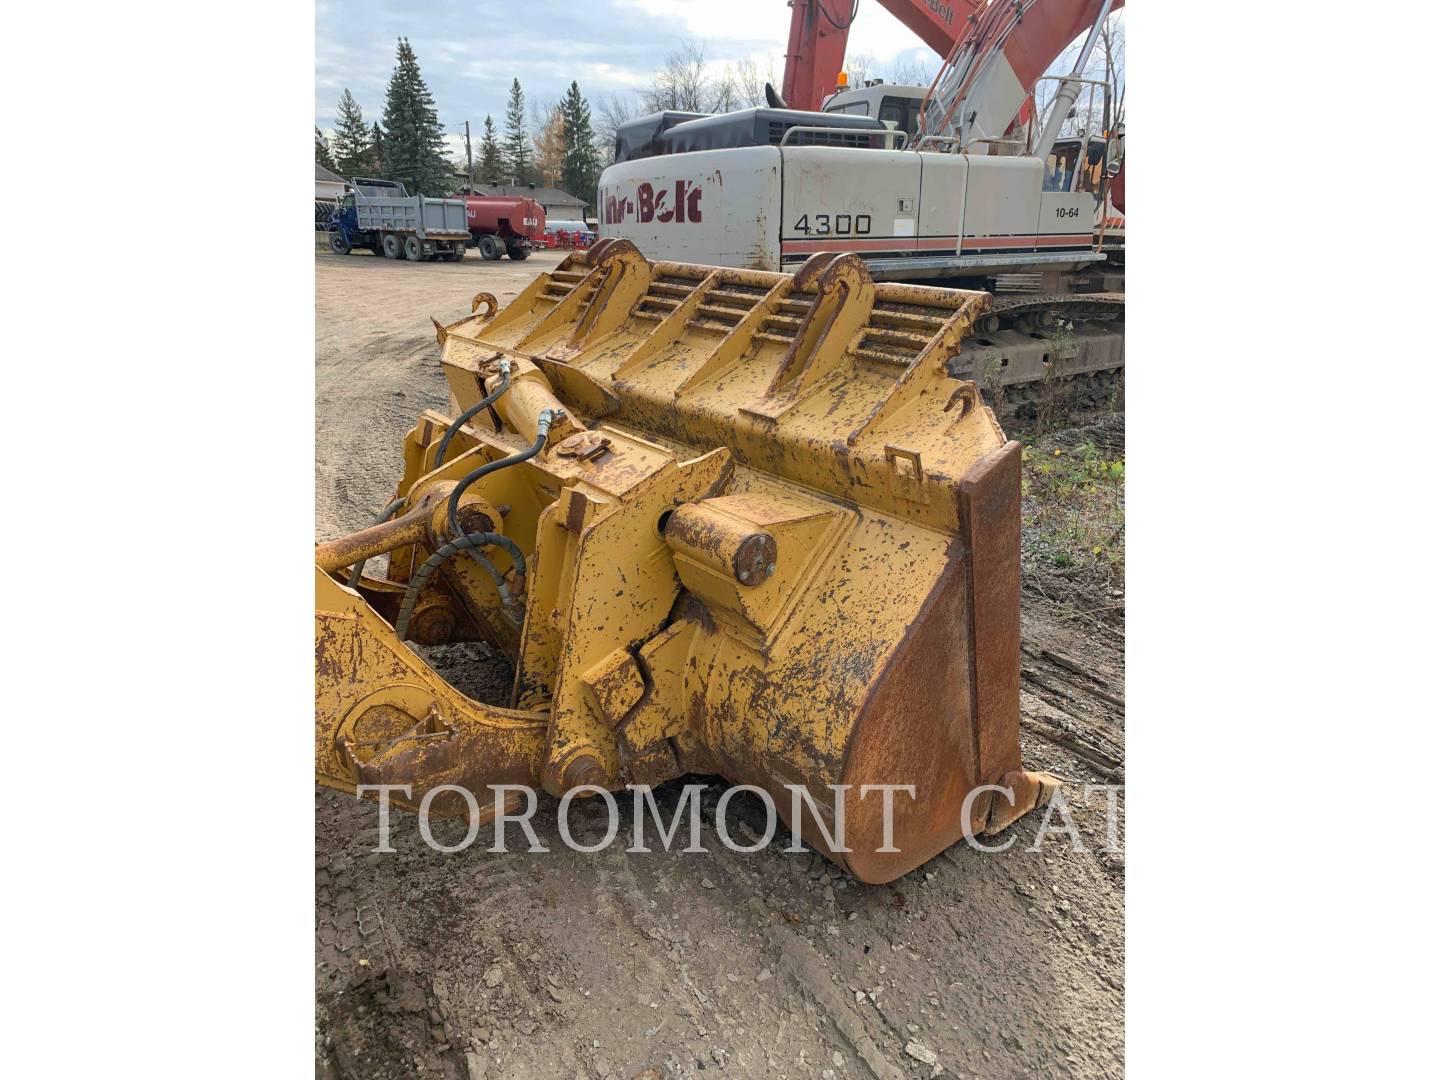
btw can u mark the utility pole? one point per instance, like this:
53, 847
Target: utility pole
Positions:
469, 161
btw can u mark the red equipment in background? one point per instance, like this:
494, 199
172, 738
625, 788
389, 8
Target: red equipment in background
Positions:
504, 224
816, 49
569, 238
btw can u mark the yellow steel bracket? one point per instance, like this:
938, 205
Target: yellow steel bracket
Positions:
619, 562
384, 716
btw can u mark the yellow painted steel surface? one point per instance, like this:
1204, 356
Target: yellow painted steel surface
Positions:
769, 537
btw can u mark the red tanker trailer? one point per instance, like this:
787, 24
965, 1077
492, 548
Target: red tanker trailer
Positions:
503, 224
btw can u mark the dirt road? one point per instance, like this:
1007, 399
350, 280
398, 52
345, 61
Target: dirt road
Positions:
377, 365
718, 964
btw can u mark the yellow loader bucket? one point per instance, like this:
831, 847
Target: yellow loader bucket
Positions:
722, 521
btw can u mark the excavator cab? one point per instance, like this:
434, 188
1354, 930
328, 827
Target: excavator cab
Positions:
891, 104
1077, 164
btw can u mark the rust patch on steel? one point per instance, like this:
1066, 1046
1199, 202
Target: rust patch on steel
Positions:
990, 525
915, 729
583, 446
575, 512
754, 559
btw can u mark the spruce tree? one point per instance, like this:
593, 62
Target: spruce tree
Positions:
517, 138
375, 162
492, 163
353, 143
581, 172
414, 141
322, 151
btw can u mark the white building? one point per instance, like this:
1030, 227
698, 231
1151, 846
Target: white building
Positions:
328, 185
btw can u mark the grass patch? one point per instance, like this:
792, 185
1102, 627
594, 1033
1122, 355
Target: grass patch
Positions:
1073, 507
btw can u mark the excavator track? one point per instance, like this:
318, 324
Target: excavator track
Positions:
1033, 351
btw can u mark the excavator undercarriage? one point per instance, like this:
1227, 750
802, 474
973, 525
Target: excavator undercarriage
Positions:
722, 521
1035, 351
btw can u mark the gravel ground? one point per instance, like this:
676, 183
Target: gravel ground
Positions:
719, 964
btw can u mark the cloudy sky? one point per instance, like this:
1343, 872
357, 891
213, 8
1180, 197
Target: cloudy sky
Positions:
469, 50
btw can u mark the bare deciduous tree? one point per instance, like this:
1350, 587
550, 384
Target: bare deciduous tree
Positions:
724, 93
859, 67
750, 81
1113, 37
681, 83
687, 83
910, 71
611, 112
550, 145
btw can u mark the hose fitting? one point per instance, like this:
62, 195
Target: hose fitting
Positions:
484, 403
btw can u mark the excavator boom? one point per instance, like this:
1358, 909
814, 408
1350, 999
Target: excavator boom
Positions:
994, 50
990, 73
819, 30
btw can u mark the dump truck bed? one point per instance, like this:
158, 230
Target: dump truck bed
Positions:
427, 218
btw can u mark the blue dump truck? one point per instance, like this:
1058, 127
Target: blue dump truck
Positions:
379, 216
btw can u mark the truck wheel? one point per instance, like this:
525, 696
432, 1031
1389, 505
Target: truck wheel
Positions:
518, 252
390, 246
489, 247
414, 250
338, 244
458, 249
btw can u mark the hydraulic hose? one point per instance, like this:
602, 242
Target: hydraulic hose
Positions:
473, 541
383, 517
542, 432
854, 10
517, 557
484, 403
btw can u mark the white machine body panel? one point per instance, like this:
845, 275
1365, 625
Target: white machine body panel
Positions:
1002, 204
1067, 218
905, 212
994, 98
836, 199
943, 180
718, 207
